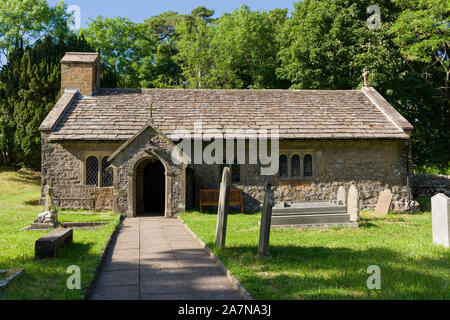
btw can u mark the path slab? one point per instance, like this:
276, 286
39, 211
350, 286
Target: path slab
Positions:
157, 259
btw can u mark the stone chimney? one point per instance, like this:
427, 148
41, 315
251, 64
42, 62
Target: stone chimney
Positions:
80, 70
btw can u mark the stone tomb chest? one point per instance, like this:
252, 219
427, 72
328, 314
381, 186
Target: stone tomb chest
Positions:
321, 214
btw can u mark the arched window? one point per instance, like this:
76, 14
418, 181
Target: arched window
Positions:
92, 171
308, 166
284, 171
107, 176
295, 165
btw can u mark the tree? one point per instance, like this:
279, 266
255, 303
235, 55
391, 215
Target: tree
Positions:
31, 82
167, 72
327, 45
27, 21
128, 47
195, 54
422, 33
245, 45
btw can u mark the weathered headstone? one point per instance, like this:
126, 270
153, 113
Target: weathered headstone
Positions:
49, 218
440, 206
222, 210
353, 204
342, 196
384, 202
266, 220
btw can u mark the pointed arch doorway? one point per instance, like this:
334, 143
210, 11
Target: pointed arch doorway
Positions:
150, 188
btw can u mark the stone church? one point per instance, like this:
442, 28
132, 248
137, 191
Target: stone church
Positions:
110, 149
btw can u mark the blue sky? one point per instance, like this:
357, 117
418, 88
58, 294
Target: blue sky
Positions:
138, 10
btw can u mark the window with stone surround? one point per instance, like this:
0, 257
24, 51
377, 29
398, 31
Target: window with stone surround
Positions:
295, 166
308, 166
284, 167
92, 171
97, 171
107, 176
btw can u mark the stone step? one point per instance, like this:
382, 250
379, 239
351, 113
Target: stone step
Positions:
310, 219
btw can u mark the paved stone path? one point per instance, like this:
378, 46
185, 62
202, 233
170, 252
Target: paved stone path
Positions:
157, 259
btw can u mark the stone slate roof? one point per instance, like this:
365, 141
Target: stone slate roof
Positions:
118, 114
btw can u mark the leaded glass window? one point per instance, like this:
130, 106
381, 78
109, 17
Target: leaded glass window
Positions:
295, 164
107, 176
92, 171
284, 171
308, 166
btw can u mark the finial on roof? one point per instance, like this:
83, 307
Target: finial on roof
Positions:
150, 106
366, 78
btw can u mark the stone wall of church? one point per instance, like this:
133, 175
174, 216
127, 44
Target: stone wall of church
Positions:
372, 165
63, 165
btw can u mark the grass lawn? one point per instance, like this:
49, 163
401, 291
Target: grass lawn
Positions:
332, 264
44, 279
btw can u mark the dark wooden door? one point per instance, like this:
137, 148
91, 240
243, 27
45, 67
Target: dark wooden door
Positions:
154, 188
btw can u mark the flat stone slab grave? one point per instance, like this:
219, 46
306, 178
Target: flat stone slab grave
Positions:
157, 259
48, 245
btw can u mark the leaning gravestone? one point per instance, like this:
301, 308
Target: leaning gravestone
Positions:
222, 210
49, 218
353, 204
266, 220
440, 205
384, 202
342, 196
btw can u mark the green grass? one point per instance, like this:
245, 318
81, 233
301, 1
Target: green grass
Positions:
332, 264
44, 279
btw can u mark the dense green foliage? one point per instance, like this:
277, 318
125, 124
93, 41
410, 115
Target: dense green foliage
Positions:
31, 83
321, 45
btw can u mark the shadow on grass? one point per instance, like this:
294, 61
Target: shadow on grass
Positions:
231, 212
294, 272
33, 203
46, 278
23, 175
425, 204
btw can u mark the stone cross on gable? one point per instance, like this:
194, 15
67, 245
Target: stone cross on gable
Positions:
366, 77
150, 108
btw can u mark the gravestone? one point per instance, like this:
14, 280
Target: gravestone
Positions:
440, 206
342, 196
49, 218
222, 210
384, 202
353, 204
48, 245
266, 220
